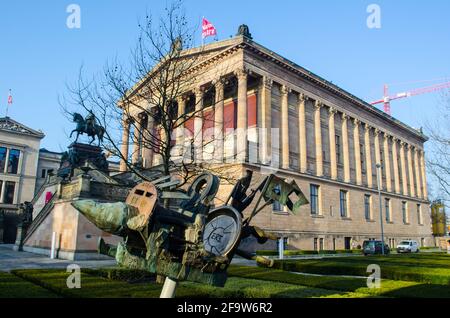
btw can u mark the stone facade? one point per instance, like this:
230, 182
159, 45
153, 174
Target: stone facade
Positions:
303, 127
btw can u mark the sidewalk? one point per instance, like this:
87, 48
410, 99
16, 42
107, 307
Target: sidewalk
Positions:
10, 259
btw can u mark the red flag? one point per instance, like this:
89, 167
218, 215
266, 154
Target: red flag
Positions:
207, 29
9, 98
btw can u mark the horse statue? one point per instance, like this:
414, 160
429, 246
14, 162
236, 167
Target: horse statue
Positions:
88, 126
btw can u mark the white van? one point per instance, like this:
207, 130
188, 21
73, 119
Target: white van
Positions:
408, 246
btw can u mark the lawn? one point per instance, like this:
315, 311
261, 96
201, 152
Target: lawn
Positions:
425, 275
95, 285
431, 268
12, 286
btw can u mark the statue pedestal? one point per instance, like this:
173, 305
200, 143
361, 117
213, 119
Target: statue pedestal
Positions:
78, 155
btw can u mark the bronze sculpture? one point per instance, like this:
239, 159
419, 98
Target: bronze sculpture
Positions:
190, 240
87, 126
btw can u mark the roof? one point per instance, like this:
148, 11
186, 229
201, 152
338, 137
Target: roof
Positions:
50, 152
217, 49
10, 125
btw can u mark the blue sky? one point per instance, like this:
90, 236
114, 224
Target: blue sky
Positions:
39, 55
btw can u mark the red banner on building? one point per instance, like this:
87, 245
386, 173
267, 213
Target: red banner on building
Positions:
208, 29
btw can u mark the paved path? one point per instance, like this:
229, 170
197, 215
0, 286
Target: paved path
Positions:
10, 259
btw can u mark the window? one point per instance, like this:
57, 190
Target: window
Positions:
9, 192
405, 212
50, 171
314, 199
13, 161
2, 159
315, 244
321, 244
367, 210
277, 207
419, 214
43, 173
343, 203
338, 148
387, 207
334, 244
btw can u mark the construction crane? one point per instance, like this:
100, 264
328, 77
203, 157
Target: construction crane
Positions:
419, 91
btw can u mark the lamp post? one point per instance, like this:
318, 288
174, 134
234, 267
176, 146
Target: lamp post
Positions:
381, 205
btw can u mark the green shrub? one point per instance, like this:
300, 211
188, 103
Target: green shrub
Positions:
307, 252
120, 273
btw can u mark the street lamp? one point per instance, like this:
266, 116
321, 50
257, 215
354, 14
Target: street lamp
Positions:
381, 205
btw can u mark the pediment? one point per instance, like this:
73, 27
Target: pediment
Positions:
10, 125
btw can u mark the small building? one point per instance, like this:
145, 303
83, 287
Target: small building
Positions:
19, 156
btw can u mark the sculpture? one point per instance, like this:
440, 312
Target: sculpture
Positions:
88, 126
191, 241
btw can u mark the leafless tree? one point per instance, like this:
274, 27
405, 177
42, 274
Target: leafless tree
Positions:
438, 161
162, 68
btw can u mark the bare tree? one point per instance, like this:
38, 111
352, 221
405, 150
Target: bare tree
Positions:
163, 66
438, 160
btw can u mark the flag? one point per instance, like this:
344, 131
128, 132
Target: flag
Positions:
207, 29
10, 98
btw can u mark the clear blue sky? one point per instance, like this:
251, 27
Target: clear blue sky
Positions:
39, 54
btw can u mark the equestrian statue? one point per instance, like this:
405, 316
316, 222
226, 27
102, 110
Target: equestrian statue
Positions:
88, 126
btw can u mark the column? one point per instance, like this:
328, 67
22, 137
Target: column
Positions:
125, 143
357, 147
417, 170
180, 129
368, 155
136, 153
148, 142
218, 121
377, 153
265, 115
302, 132
410, 172
198, 125
284, 127
423, 174
403, 168
395, 163
318, 138
241, 138
345, 150
387, 163
332, 138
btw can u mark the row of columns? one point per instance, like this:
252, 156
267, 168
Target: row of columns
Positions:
415, 174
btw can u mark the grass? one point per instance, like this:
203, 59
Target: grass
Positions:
93, 286
389, 288
424, 268
16, 287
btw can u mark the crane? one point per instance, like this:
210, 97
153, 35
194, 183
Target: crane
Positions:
419, 91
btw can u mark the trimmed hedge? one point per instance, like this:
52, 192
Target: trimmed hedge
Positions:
358, 266
307, 252
120, 273
389, 288
236, 287
12, 286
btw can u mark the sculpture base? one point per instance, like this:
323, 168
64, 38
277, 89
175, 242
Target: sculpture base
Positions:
78, 155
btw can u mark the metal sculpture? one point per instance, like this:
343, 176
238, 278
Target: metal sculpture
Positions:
190, 240
87, 126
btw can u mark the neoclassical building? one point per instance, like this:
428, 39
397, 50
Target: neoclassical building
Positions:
277, 117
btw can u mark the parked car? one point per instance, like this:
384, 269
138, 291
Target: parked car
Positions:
374, 247
408, 246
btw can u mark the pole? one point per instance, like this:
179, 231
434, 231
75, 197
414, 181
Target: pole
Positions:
52, 251
169, 287
381, 206
281, 248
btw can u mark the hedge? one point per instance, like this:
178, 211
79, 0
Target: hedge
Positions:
358, 267
306, 252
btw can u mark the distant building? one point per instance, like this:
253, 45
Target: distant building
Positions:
48, 163
438, 218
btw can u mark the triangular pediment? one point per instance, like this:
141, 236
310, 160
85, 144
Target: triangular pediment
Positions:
12, 126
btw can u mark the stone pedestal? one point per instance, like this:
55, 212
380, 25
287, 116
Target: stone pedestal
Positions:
79, 155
